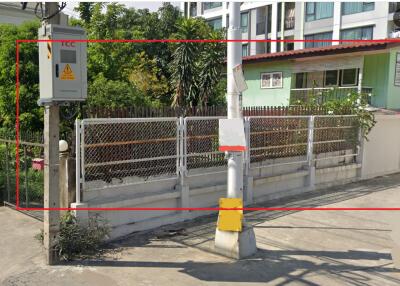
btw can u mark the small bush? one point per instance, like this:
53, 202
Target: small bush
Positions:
78, 240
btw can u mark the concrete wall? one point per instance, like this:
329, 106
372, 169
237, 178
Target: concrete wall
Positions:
266, 180
203, 189
381, 153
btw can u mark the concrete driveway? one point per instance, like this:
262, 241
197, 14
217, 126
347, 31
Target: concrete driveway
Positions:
295, 248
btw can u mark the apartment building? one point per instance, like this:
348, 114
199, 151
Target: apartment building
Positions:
301, 20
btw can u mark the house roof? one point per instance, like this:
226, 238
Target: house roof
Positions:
322, 51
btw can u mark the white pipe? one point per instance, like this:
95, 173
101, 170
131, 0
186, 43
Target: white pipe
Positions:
78, 161
234, 58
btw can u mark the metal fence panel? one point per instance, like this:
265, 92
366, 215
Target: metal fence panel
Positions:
275, 137
336, 134
201, 144
128, 150
31, 179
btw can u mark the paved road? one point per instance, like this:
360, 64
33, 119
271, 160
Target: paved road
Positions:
295, 248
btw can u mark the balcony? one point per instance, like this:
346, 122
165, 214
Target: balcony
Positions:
289, 23
323, 94
260, 28
394, 6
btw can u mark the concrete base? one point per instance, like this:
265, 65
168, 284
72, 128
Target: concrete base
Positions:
234, 244
82, 216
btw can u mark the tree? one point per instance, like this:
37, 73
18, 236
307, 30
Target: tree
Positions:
195, 67
183, 66
120, 74
85, 10
148, 79
31, 116
211, 64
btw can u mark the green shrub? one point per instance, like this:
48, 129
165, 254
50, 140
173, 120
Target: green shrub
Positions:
79, 240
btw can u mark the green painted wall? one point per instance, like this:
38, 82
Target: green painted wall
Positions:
393, 91
379, 72
255, 95
376, 76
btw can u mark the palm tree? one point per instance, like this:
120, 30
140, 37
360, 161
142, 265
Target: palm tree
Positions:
196, 67
183, 66
210, 66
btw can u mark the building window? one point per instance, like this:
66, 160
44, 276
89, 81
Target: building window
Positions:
216, 24
394, 6
349, 8
318, 10
349, 77
244, 22
193, 9
301, 79
397, 71
314, 38
211, 5
361, 33
271, 80
245, 50
331, 78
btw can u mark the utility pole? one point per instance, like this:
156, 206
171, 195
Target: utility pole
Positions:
62, 79
233, 241
51, 163
234, 58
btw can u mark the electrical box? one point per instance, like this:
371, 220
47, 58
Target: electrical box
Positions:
62, 65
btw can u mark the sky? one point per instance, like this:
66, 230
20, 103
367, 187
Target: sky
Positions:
152, 6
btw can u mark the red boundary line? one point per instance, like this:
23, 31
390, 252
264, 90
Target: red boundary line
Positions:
169, 41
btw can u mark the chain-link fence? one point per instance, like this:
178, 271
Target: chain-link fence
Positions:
303, 139
276, 137
201, 144
335, 133
116, 151
336, 137
128, 151
31, 165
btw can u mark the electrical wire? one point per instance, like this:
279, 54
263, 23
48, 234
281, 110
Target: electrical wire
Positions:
42, 16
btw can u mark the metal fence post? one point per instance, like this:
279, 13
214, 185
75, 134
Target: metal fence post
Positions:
77, 161
182, 154
26, 177
247, 152
8, 174
360, 152
185, 194
82, 154
247, 180
310, 152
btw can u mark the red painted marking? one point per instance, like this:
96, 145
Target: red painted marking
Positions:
232, 148
170, 41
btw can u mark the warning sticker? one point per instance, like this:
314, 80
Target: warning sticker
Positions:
67, 73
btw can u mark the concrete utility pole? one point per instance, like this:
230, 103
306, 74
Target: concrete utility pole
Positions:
233, 243
51, 164
234, 58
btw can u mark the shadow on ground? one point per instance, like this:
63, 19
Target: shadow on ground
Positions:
282, 265
268, 266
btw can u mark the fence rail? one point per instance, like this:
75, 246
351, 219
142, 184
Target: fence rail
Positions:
128, 151
151, 112
125, 150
